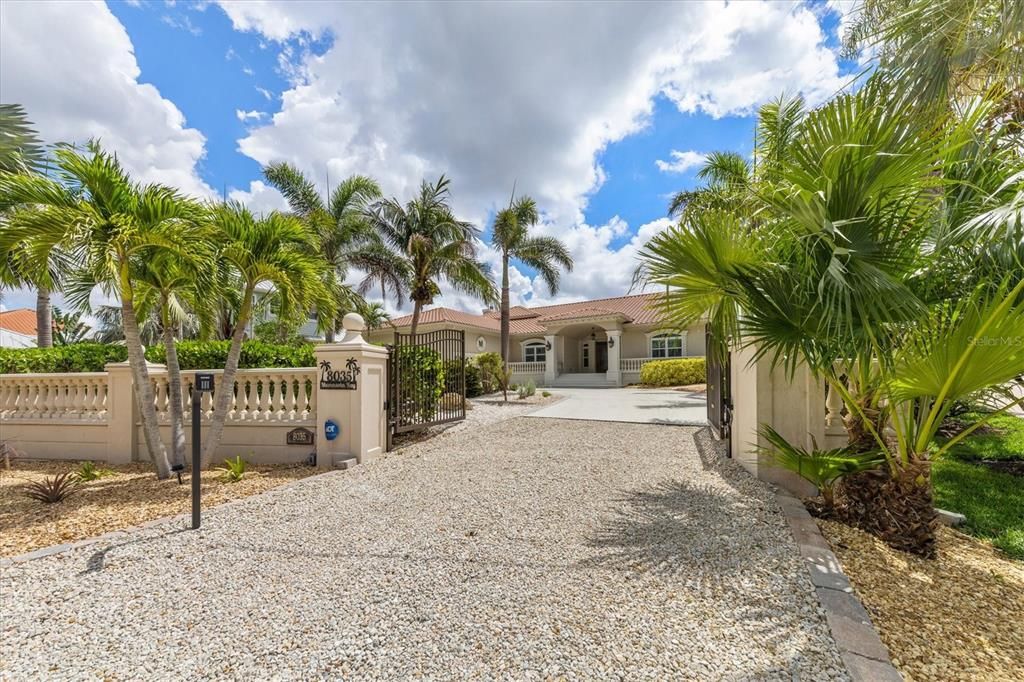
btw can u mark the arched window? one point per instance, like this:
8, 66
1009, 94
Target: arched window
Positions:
533, 351
668, 345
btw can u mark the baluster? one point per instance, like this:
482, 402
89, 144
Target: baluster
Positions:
309, 396
293, 406
206, 398
833, 408
262, 390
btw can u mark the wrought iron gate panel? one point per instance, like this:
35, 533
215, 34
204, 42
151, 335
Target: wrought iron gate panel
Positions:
426, 380
719, 397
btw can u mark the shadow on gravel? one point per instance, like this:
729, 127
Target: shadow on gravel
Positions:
676, 528
98, 559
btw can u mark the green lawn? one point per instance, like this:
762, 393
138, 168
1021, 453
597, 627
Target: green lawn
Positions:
993, 502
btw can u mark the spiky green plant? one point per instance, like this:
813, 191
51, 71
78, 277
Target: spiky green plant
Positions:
234, 469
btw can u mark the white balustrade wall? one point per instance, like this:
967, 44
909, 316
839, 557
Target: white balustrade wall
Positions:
93, 415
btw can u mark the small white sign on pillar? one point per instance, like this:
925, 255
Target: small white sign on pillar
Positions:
351, 388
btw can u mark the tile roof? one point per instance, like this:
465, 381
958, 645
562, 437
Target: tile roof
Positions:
19, 321
524, 320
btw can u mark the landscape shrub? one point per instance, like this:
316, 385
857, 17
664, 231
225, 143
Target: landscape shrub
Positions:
91, 357
213, 354
78, 357
490, 371
527, 390
423, 368
678, 372
474, 385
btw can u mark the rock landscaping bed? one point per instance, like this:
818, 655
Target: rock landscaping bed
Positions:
958, 617
128, 496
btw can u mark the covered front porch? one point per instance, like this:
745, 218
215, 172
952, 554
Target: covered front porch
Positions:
590, 350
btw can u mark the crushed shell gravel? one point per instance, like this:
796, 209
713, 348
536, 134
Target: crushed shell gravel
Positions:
527, 549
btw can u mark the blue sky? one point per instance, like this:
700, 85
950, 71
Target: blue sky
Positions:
575, 104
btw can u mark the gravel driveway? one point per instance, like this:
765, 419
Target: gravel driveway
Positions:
527, 549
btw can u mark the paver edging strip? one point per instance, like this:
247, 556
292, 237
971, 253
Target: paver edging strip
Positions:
864, 654
43, 552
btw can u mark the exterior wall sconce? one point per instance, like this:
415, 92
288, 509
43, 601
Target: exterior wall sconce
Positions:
611, 342
547, 345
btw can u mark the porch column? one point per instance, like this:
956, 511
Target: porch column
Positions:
550, 366
614, 376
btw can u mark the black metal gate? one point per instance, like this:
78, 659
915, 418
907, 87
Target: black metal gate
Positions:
719, 397
426, 380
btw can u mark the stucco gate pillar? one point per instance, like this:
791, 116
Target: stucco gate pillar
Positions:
350, 391
614, 375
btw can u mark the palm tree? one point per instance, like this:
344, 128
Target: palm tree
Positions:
347, 239
727, 174
433, 245
544, 254
95, 212
835, 277
21, 151
374, 315
276, 250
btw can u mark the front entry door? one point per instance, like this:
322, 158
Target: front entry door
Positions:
601, 361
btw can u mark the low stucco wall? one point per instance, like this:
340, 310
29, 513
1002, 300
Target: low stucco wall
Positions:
57, 439
254, 442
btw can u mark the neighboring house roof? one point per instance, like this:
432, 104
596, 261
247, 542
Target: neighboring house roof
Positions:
20, 321
435, 315
524, 320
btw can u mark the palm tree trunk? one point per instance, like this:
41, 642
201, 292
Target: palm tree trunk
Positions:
329, 334
177, 406
143, 385
505, 314
417, 306
44, 319
226, 391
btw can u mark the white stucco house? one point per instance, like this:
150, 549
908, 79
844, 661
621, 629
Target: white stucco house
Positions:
602, 342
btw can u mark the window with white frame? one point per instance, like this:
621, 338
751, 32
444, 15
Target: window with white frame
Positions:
668, 345
534, 352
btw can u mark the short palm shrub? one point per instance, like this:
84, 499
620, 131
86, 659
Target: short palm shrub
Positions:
526, 390
87, 471
822, 468
234, 469
474, 385
52, 489
677, 372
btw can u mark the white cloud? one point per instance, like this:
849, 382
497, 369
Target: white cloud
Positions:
260, 197
495, 93
254, 115
681, 161
73, 67
267, 94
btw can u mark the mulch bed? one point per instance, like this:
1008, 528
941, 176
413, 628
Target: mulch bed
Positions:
130, 496
957, 617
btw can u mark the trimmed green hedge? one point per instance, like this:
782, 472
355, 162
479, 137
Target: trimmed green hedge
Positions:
91, 357
78, 357
213, 354
677, 372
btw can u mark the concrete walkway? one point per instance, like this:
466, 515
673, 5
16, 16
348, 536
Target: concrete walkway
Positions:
633, 405
529, 549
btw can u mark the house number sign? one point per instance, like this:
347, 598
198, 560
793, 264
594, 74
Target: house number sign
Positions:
343, 379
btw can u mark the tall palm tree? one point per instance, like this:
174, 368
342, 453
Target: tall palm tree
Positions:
276, 250
433, 245
511, 236
94, 211
347, 239
21, 151
374, 315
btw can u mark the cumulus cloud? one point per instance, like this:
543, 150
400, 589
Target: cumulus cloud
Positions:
681, 161
42, 48
496, 93
260, 197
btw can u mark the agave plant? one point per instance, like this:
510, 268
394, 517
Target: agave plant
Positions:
234, 469
88, 471
52, 489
